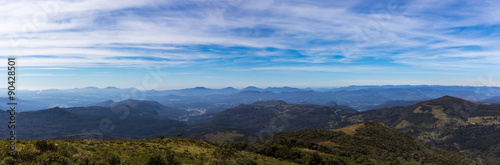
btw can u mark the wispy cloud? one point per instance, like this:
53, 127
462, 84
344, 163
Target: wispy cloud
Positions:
48, 68
324, 69
47, 75
258, 34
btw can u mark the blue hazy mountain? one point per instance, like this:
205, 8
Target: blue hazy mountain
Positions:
252, 88
162, 111
23, 105
208, 100
54, 122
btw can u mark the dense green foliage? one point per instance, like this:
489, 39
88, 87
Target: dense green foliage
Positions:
449, 123
366, 143
169, 151
245, 161
43, 146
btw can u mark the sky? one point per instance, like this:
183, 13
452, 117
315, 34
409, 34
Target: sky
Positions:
172, 44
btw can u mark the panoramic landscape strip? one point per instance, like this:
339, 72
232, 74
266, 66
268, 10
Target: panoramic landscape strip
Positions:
250, 82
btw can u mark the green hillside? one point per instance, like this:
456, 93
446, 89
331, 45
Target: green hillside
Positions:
211, 132
364, 143
281, 116
111, 152
449, 123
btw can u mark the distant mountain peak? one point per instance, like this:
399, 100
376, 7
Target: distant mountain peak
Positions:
54, 110
271, 102
331, 104
90, 87
447, 100
285, 87
106, 103
251, 88
134, 102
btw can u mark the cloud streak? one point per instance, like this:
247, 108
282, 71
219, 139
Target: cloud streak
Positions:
262, 35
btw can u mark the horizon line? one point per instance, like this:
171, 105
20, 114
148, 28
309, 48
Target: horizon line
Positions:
251, 86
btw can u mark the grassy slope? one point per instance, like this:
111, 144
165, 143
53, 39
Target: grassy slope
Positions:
187, 151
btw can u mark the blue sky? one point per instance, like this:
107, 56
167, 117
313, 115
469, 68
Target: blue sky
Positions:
171, 44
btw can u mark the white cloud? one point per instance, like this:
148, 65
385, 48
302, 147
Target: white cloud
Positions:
363, 69
95, 31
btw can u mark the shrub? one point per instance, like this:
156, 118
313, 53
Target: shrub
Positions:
4, 152
51, 158
412, 163
43, 146
240, 146
311, 159
224, 152
113, 160
9, 160
26, 155
170, 155
105, 157
125, 162
84, 160
110, 158
245, 161
335, 160
64, 153
155, 160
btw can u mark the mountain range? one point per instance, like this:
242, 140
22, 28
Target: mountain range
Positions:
158, 109
448, 122
54, 122
209, 100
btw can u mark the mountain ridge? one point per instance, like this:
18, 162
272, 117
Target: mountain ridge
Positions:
162, 111
362, 143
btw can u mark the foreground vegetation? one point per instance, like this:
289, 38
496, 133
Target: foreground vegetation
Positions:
145, 151
363, 143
